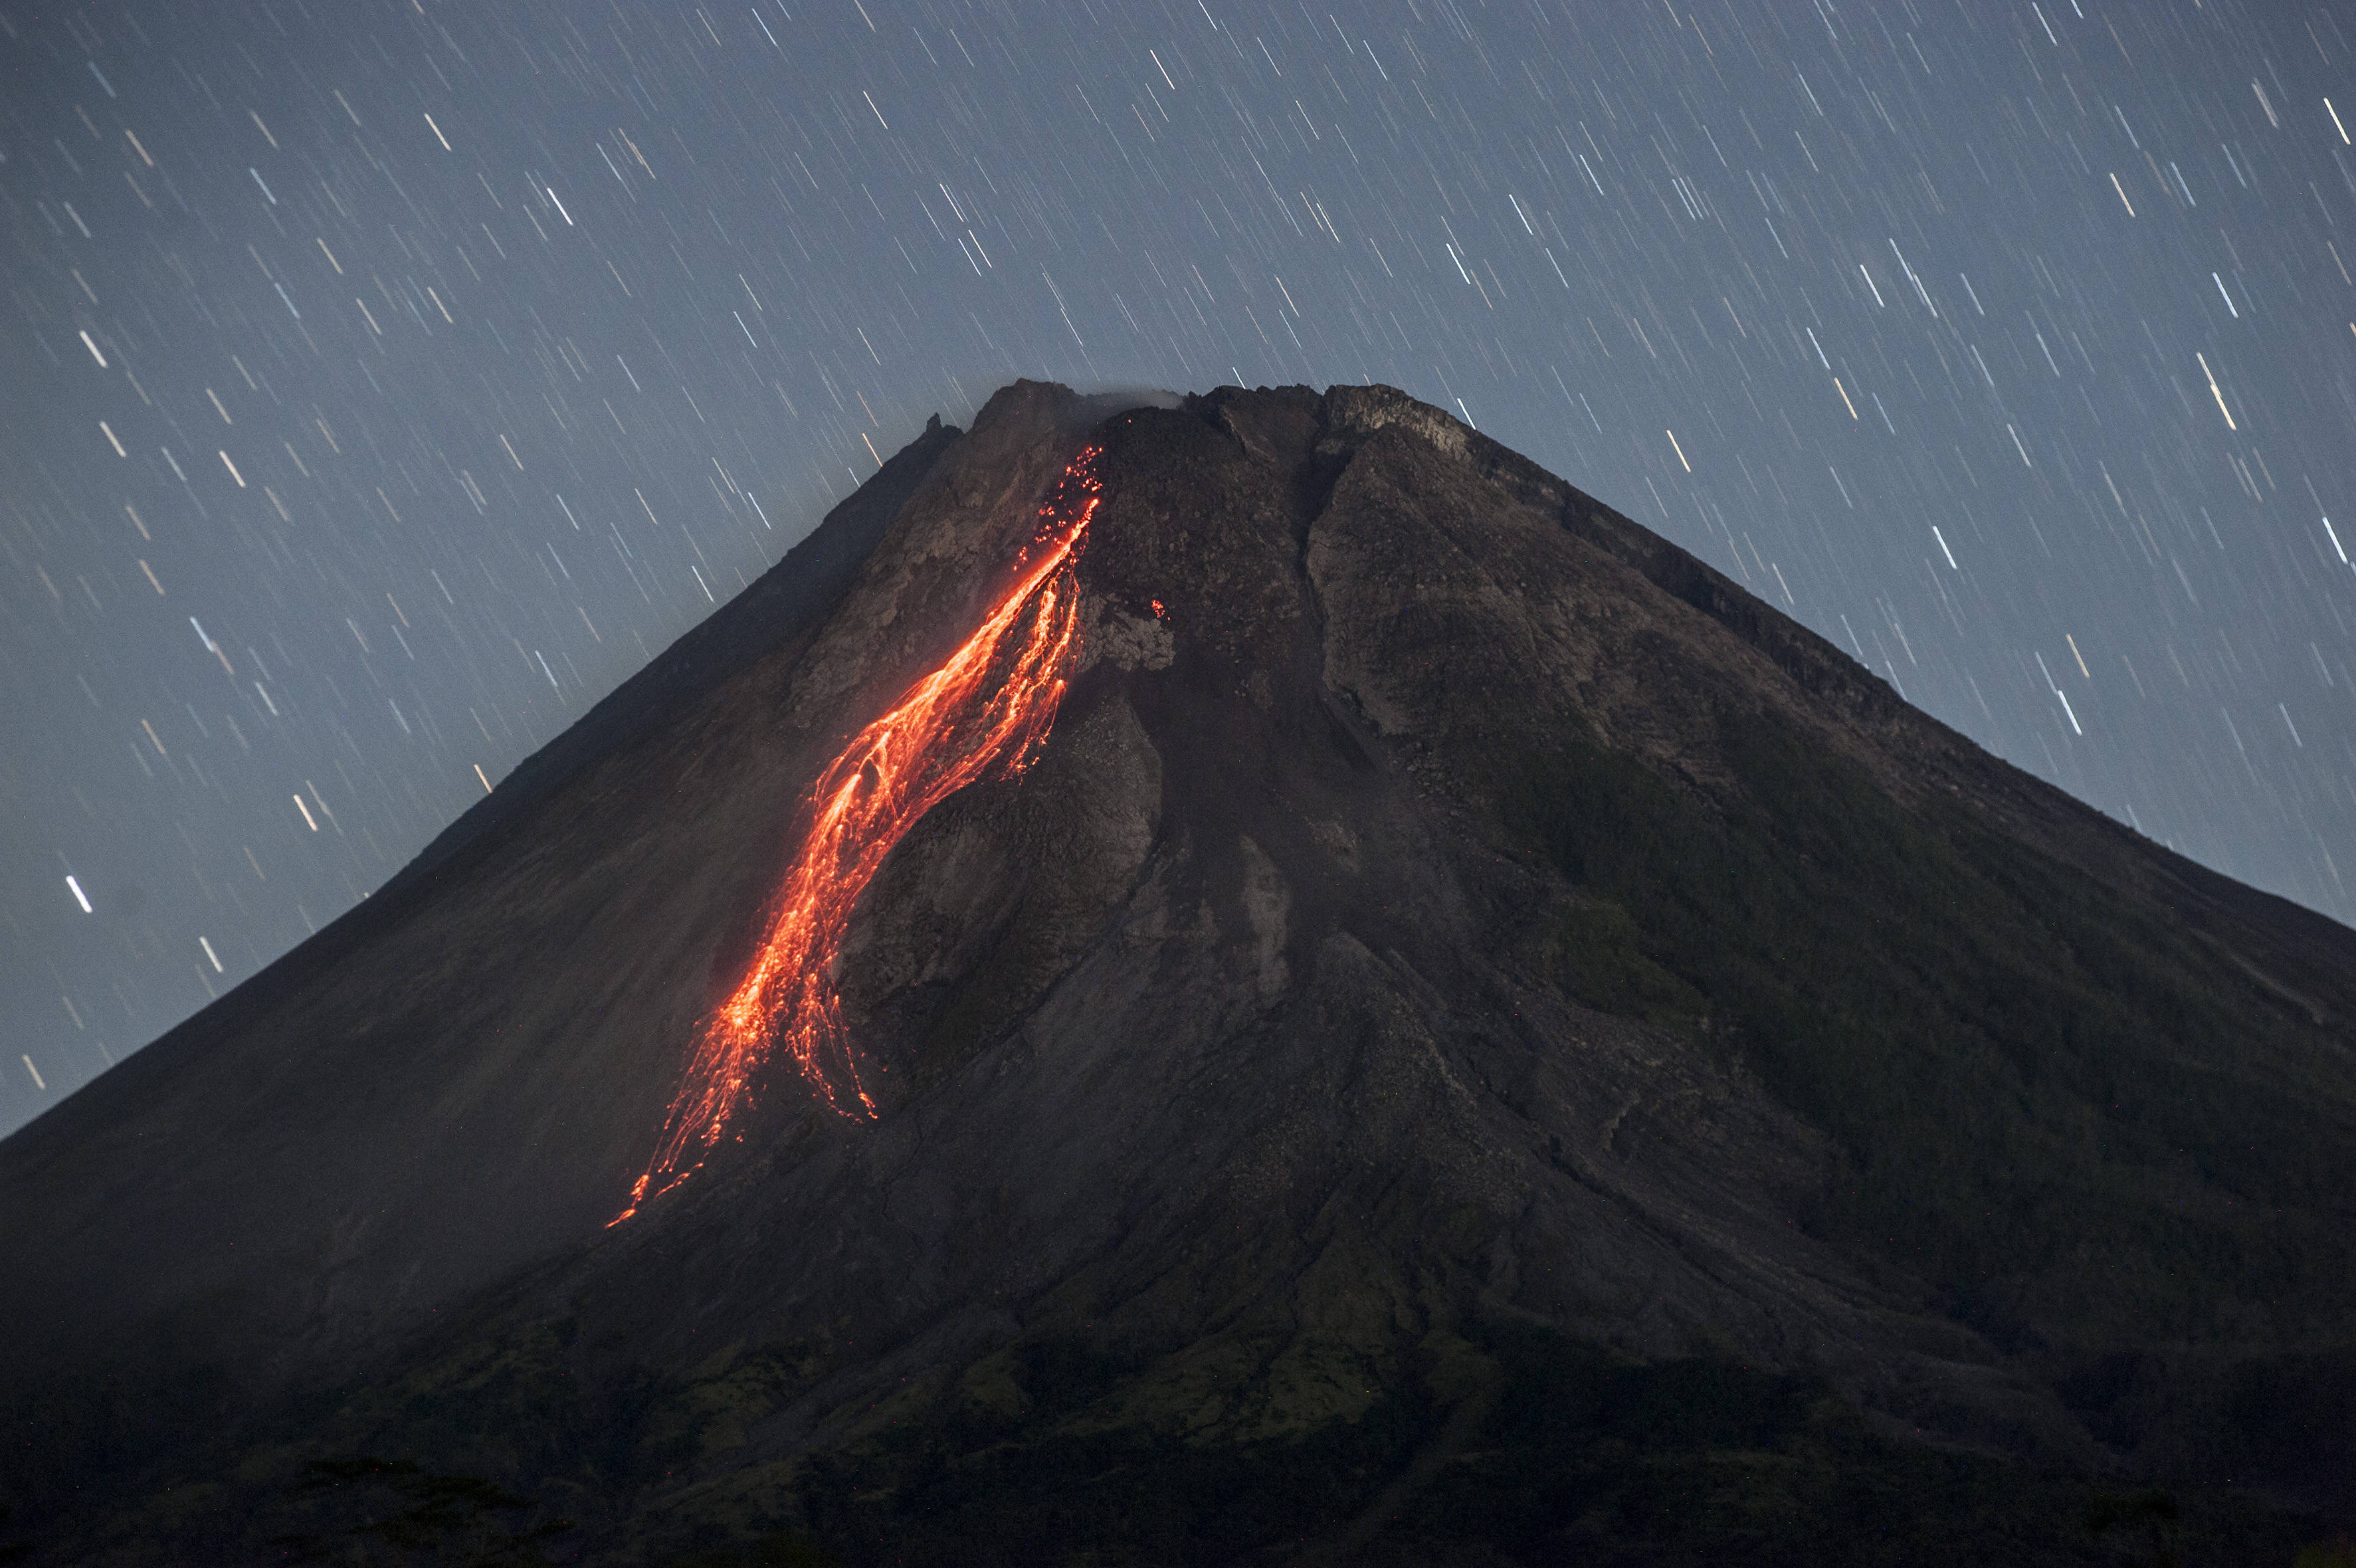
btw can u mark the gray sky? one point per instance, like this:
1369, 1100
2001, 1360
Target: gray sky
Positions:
386, 380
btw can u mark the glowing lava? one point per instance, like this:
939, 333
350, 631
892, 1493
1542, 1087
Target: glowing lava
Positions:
982, 714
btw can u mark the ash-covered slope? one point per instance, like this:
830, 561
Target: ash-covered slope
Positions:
1474, 1031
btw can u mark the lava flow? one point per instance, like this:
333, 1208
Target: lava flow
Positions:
982, 713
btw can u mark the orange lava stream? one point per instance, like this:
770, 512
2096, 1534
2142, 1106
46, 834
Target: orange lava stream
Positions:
982, 714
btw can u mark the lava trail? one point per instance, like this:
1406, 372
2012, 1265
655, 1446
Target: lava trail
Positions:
980, 715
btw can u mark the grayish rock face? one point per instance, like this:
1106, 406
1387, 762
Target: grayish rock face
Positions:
1244, 1030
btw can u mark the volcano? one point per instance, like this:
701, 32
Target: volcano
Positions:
1249, 979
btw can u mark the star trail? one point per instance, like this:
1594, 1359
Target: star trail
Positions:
386, 380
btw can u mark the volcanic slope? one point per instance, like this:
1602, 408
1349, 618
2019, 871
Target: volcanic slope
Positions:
1473, 1040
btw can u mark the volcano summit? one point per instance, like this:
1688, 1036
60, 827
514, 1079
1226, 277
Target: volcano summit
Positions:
1254, 981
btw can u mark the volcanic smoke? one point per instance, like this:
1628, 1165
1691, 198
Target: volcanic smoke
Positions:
982, 713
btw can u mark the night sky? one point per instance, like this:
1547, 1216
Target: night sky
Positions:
385, 379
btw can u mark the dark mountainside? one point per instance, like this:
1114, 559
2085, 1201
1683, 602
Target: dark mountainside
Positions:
1477, 1041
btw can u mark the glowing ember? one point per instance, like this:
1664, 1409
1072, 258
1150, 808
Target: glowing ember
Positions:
982, 714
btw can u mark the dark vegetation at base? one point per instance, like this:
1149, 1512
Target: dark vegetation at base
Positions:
788, 1549
91, 1434
1582, 1456
1572, 1452
2030, 1080
368, 1509
1592, 1459
985, 1491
